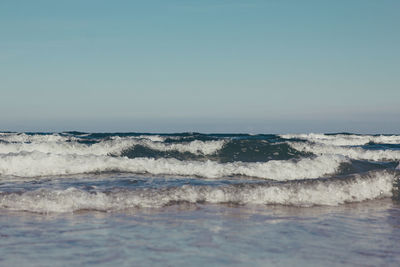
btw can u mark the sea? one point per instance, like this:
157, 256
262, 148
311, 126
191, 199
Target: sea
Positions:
193, 199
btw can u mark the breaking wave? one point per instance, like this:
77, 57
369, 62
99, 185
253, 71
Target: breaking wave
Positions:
345, 139
34, 164
54, 172
115, 146
334, 191
351, 152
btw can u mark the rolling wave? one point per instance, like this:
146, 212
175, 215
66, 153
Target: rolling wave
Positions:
113, 146
334, 191
345, 139
35, 164
351, 152
45, 172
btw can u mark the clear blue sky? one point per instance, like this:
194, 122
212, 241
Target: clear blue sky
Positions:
211, 66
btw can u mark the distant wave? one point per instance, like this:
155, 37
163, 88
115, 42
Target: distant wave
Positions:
351, 152
345, 139
59, 145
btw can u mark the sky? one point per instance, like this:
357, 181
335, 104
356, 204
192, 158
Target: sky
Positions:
208, 66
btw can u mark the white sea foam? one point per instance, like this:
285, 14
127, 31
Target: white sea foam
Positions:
194, 147
351, 152
307, 193
33, 164
344, 139
154, 138
55, 137
35, 138
113, 146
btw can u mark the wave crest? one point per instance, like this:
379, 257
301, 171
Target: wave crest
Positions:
351, 152
336, 191
33, 164
345, 139
113, 146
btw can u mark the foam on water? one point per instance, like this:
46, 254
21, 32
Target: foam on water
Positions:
351, 152
33, 164
34, 138
154, 138
345, 139
105, 147
335, 191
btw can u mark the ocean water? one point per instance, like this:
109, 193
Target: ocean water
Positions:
194, 199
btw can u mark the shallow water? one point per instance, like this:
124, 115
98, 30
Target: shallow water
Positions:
362, 234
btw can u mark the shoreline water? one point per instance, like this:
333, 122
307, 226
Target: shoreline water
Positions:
355, 234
